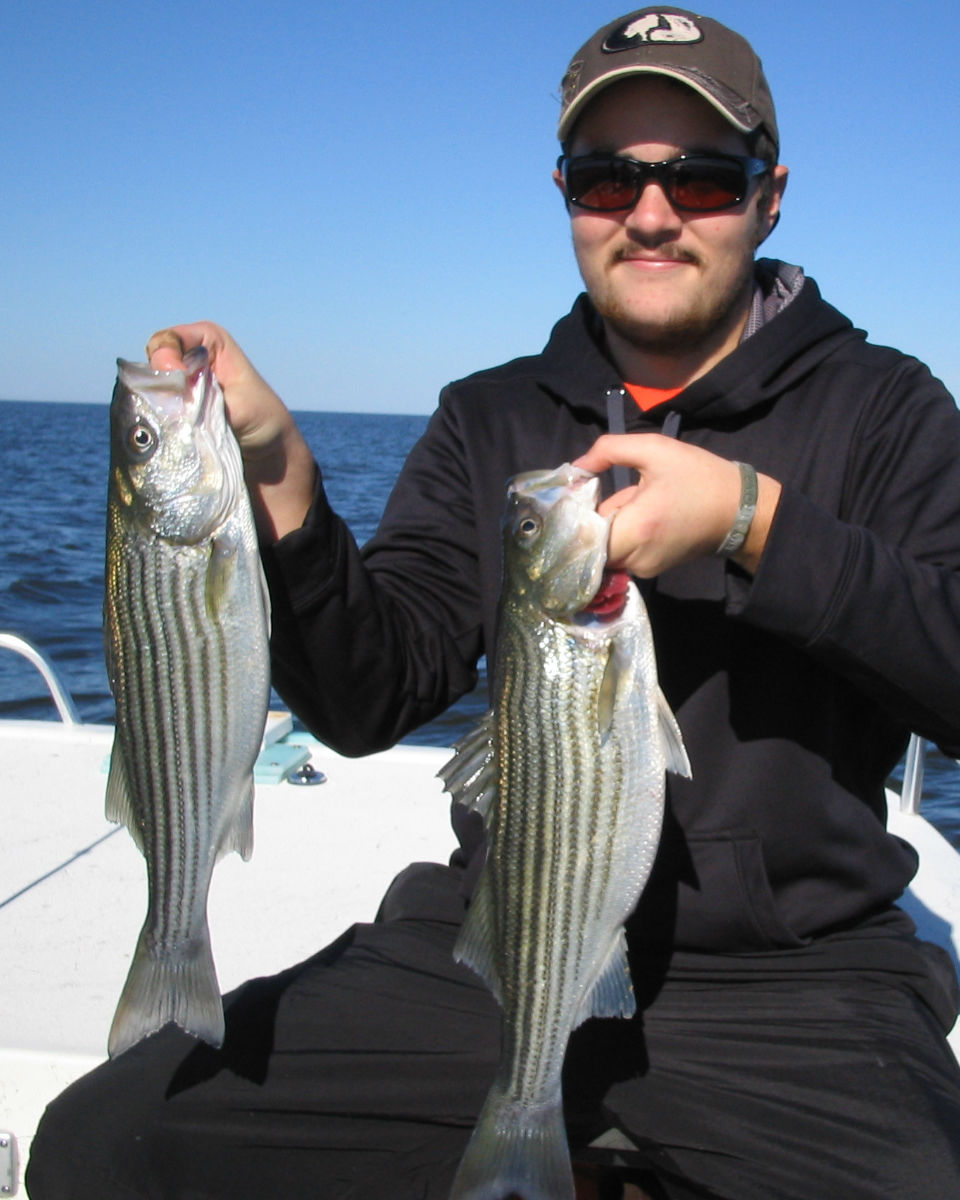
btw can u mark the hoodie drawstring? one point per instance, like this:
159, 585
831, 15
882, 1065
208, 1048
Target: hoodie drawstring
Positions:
623, 477
617, 423
671, 424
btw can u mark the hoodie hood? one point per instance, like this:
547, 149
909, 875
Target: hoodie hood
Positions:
783, 350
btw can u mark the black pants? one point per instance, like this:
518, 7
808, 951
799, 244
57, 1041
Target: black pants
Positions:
358, 1076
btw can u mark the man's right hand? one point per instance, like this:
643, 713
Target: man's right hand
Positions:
278, 465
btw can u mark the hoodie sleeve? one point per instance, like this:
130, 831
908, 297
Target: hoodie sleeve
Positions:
872, 590
368, 644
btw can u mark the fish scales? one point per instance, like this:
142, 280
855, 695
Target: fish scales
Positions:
181, 745
164, 754
571, 790
567, 824
187, 625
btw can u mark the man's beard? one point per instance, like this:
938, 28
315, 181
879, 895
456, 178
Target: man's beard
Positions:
699, 326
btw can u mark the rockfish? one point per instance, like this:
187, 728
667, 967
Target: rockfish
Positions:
568, 773
186, 620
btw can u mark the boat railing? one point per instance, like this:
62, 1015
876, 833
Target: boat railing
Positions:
911, 790
58, 692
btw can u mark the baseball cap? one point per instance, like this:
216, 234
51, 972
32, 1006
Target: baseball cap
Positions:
700, 52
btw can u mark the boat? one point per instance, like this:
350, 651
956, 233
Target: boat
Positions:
73, 886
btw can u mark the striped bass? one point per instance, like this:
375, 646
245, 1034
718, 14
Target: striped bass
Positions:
186, 620
568, 773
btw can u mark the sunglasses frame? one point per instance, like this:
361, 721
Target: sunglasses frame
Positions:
639, 174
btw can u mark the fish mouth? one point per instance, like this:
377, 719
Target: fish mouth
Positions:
611, 597
174, 393
549, 486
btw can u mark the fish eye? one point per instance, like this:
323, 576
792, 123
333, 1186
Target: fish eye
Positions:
141, 440
528, 527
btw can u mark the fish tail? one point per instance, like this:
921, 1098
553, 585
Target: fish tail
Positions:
179, 987
516, 1150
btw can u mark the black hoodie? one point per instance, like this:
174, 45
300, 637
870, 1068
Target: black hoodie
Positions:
795, 690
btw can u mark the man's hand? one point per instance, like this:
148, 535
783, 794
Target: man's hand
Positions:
681, 509
278, 464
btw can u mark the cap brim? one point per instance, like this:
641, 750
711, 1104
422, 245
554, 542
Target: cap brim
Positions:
574, 110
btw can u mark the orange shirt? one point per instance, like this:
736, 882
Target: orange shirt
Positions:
650, 397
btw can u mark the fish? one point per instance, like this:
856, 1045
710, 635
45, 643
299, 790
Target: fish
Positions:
186, 633
567, 771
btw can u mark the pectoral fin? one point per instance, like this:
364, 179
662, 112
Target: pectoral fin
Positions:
671, 740
221, 569
607, 695
471, 775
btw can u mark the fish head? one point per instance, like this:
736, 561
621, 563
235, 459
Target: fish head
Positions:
175, 466
554, 540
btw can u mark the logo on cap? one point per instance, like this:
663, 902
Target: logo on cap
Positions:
657, 28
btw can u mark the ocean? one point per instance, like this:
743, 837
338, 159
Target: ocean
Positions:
54, 460
53, 477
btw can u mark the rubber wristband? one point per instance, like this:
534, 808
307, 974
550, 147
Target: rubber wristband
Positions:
744, 518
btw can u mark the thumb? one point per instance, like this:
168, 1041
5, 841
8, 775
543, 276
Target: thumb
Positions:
165, 351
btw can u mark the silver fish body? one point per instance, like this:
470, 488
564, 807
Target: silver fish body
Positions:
186, 623
568, 772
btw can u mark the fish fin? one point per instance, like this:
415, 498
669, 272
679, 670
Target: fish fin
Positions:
607, 694
476, 941
612, 995
221, 569
118, 806
265, 597
516, 1150
239, 833
671, 739
471, 775
182, 989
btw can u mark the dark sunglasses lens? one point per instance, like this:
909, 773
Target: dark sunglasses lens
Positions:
702, 187
693, 185
604, 185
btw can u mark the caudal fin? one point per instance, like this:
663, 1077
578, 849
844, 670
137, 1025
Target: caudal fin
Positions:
515, 1150
159, 989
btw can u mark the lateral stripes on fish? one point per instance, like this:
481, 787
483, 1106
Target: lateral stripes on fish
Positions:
186, 630
568, 773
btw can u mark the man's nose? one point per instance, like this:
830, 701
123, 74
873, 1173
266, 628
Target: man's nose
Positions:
653, 214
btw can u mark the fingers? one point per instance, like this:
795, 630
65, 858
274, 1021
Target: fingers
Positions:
632, 541
619, 449
165, 351
612, 505
166, 347
680, 509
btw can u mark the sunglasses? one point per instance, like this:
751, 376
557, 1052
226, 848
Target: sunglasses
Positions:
692, 182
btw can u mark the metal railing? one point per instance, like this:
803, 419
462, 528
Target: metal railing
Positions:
912, 790
58, 693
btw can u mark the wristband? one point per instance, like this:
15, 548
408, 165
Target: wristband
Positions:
744, 518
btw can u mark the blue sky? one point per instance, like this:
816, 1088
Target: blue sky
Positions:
360, 192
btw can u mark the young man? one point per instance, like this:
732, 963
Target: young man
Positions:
806, 608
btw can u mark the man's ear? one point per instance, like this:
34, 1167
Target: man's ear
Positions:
769, 219
558, 180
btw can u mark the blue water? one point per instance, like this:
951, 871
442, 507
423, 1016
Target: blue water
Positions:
53, 478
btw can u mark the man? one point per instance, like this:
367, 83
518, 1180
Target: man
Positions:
806, 608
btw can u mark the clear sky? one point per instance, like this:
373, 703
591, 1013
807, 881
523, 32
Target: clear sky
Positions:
361, 191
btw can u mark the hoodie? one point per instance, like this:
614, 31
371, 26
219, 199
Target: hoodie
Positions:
795, 689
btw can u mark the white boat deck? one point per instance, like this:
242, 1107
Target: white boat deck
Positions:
73, 890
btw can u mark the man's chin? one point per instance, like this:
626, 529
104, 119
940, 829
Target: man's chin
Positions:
673, 325
665, 333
